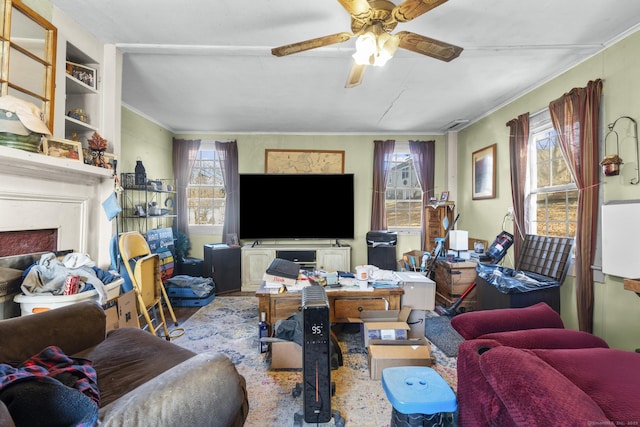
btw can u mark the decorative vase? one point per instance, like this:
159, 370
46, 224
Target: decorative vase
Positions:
141, 174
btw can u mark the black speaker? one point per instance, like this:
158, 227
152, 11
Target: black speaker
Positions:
222, 264
383, 257
316, 355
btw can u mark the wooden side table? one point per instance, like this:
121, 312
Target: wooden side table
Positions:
343, 305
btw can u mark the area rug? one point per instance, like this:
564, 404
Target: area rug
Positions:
230, 325
439, 331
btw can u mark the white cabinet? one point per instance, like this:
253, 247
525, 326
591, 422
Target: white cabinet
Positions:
256, 260
334, 259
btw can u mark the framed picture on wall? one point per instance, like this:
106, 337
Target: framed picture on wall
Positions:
483, 173
303, 161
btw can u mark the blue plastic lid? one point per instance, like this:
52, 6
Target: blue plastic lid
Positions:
418, 390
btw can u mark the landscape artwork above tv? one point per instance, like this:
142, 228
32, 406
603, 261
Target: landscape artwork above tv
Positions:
296, 206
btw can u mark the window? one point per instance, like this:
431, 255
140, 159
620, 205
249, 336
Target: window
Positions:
403, 195
29, 43
205, 192
553, 193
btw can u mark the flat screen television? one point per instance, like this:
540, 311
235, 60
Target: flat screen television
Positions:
296, 206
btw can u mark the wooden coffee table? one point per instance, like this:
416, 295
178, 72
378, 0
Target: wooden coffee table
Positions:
344, 305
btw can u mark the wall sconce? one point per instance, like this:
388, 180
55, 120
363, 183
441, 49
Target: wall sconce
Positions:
375, 47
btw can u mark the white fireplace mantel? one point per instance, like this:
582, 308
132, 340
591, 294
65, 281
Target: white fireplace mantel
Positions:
25, 163
42, 192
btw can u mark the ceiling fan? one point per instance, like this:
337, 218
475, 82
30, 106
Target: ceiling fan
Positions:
372, 21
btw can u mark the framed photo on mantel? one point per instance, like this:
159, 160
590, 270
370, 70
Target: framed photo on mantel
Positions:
483, 173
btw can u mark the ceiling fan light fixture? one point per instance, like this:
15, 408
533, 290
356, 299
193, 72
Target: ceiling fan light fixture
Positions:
375, 49
387, 46
366, 48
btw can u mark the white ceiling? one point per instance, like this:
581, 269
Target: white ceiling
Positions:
206, 65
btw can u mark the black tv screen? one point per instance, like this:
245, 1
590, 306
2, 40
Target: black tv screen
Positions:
296, 206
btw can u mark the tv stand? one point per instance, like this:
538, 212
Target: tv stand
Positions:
256, 259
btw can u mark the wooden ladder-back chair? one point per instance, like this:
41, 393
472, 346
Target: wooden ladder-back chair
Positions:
143, 268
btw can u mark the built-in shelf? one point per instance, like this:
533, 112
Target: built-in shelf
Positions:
78, 126
37, 165
75, 86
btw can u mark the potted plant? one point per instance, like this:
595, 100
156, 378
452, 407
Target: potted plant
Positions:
182, 246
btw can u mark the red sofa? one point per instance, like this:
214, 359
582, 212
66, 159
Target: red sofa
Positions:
521, 367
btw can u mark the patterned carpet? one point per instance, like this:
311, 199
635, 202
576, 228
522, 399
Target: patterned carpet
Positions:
230, 325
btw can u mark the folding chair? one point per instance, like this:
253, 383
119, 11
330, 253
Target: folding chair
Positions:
143, 268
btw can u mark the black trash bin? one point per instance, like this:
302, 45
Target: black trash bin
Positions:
381, 249
538, 275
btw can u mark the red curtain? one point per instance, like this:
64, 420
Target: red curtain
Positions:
575, 116
382, 151
518, 155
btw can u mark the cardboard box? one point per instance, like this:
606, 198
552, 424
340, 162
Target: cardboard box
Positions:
376, 323
398, 353
419, 290
416, 323
412, 260
383, 315
128, 310
111, 311
122, 312
286, 355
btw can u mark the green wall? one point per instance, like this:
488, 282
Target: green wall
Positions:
146, 141
616, 310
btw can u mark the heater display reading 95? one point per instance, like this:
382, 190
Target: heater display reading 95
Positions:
316, 333
317, 329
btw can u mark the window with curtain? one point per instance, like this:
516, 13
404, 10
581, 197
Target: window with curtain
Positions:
553, 193
205, 192
403, 195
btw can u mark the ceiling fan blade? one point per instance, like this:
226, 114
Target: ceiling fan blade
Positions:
311, 44
428, 46
355, 75
359, 9
411, 9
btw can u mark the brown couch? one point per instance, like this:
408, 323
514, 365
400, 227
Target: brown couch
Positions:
143, 380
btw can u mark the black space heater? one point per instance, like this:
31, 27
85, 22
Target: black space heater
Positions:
316, 386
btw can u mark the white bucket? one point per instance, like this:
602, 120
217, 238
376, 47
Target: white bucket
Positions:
30, 303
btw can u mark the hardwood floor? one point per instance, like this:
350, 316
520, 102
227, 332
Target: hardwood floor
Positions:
183, 313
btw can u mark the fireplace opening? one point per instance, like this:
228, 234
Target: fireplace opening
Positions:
28, 241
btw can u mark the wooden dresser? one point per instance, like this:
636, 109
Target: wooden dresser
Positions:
434, 216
